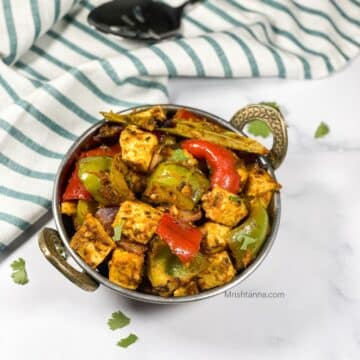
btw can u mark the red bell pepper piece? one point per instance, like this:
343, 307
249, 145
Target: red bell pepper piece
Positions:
183, 239
184, 114
102, 151
221, 161
75, 189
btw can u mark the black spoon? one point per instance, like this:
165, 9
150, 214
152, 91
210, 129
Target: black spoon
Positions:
138, 19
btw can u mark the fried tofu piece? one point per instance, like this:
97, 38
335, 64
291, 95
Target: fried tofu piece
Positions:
264, 199
219, 271
189, 289
261, 186
243, 173
68, 207
138, 220
126, 268
215, 237
137, 147
260, 182
91, 242
224, 207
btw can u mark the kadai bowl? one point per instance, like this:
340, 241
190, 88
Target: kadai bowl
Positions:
166, 203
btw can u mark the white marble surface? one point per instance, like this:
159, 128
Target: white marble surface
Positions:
315, 261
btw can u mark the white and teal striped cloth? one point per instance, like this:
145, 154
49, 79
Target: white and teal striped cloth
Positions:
57, 73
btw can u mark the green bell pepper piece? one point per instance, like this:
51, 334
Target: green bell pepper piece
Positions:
166, 270
185, 272
176, 184
89, 169
161, 281
118, 172
246, 240
83, 207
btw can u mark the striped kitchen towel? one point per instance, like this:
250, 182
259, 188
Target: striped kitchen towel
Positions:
57, 73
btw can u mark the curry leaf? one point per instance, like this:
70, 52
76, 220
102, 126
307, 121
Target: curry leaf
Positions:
322, 130
118, 320
259, 128
19, 274
125, 342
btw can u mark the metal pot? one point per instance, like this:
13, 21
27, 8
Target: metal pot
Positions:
89, 279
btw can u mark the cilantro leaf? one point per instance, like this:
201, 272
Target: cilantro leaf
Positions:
19, 274
322, 130
125, 342
235, 198
178, 155
118, 320
258, 128
248, 240
118, 230
272, 104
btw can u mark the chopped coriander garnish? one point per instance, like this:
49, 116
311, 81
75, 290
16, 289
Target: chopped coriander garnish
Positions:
118, 230
118, 320
178, 155
248, 240
322, 130
19, 274
125, 342
235, 198
259, 128
272, 104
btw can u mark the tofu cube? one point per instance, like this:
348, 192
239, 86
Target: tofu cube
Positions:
215, 237
68, 207
189, 289
220, 271
260, 182
91, 242
138, 220
224, 207
264, 199
126, 268
137, 147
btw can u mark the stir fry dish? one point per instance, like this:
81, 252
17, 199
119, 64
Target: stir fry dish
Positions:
168, 203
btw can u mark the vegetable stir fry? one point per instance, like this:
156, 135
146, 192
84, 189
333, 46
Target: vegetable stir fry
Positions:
168, 203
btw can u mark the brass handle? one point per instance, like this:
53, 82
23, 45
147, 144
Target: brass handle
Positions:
274, 119
48, 239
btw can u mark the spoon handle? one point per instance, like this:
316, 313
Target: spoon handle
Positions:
186, 3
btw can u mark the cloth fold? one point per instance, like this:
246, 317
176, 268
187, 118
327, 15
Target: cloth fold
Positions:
57, 73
